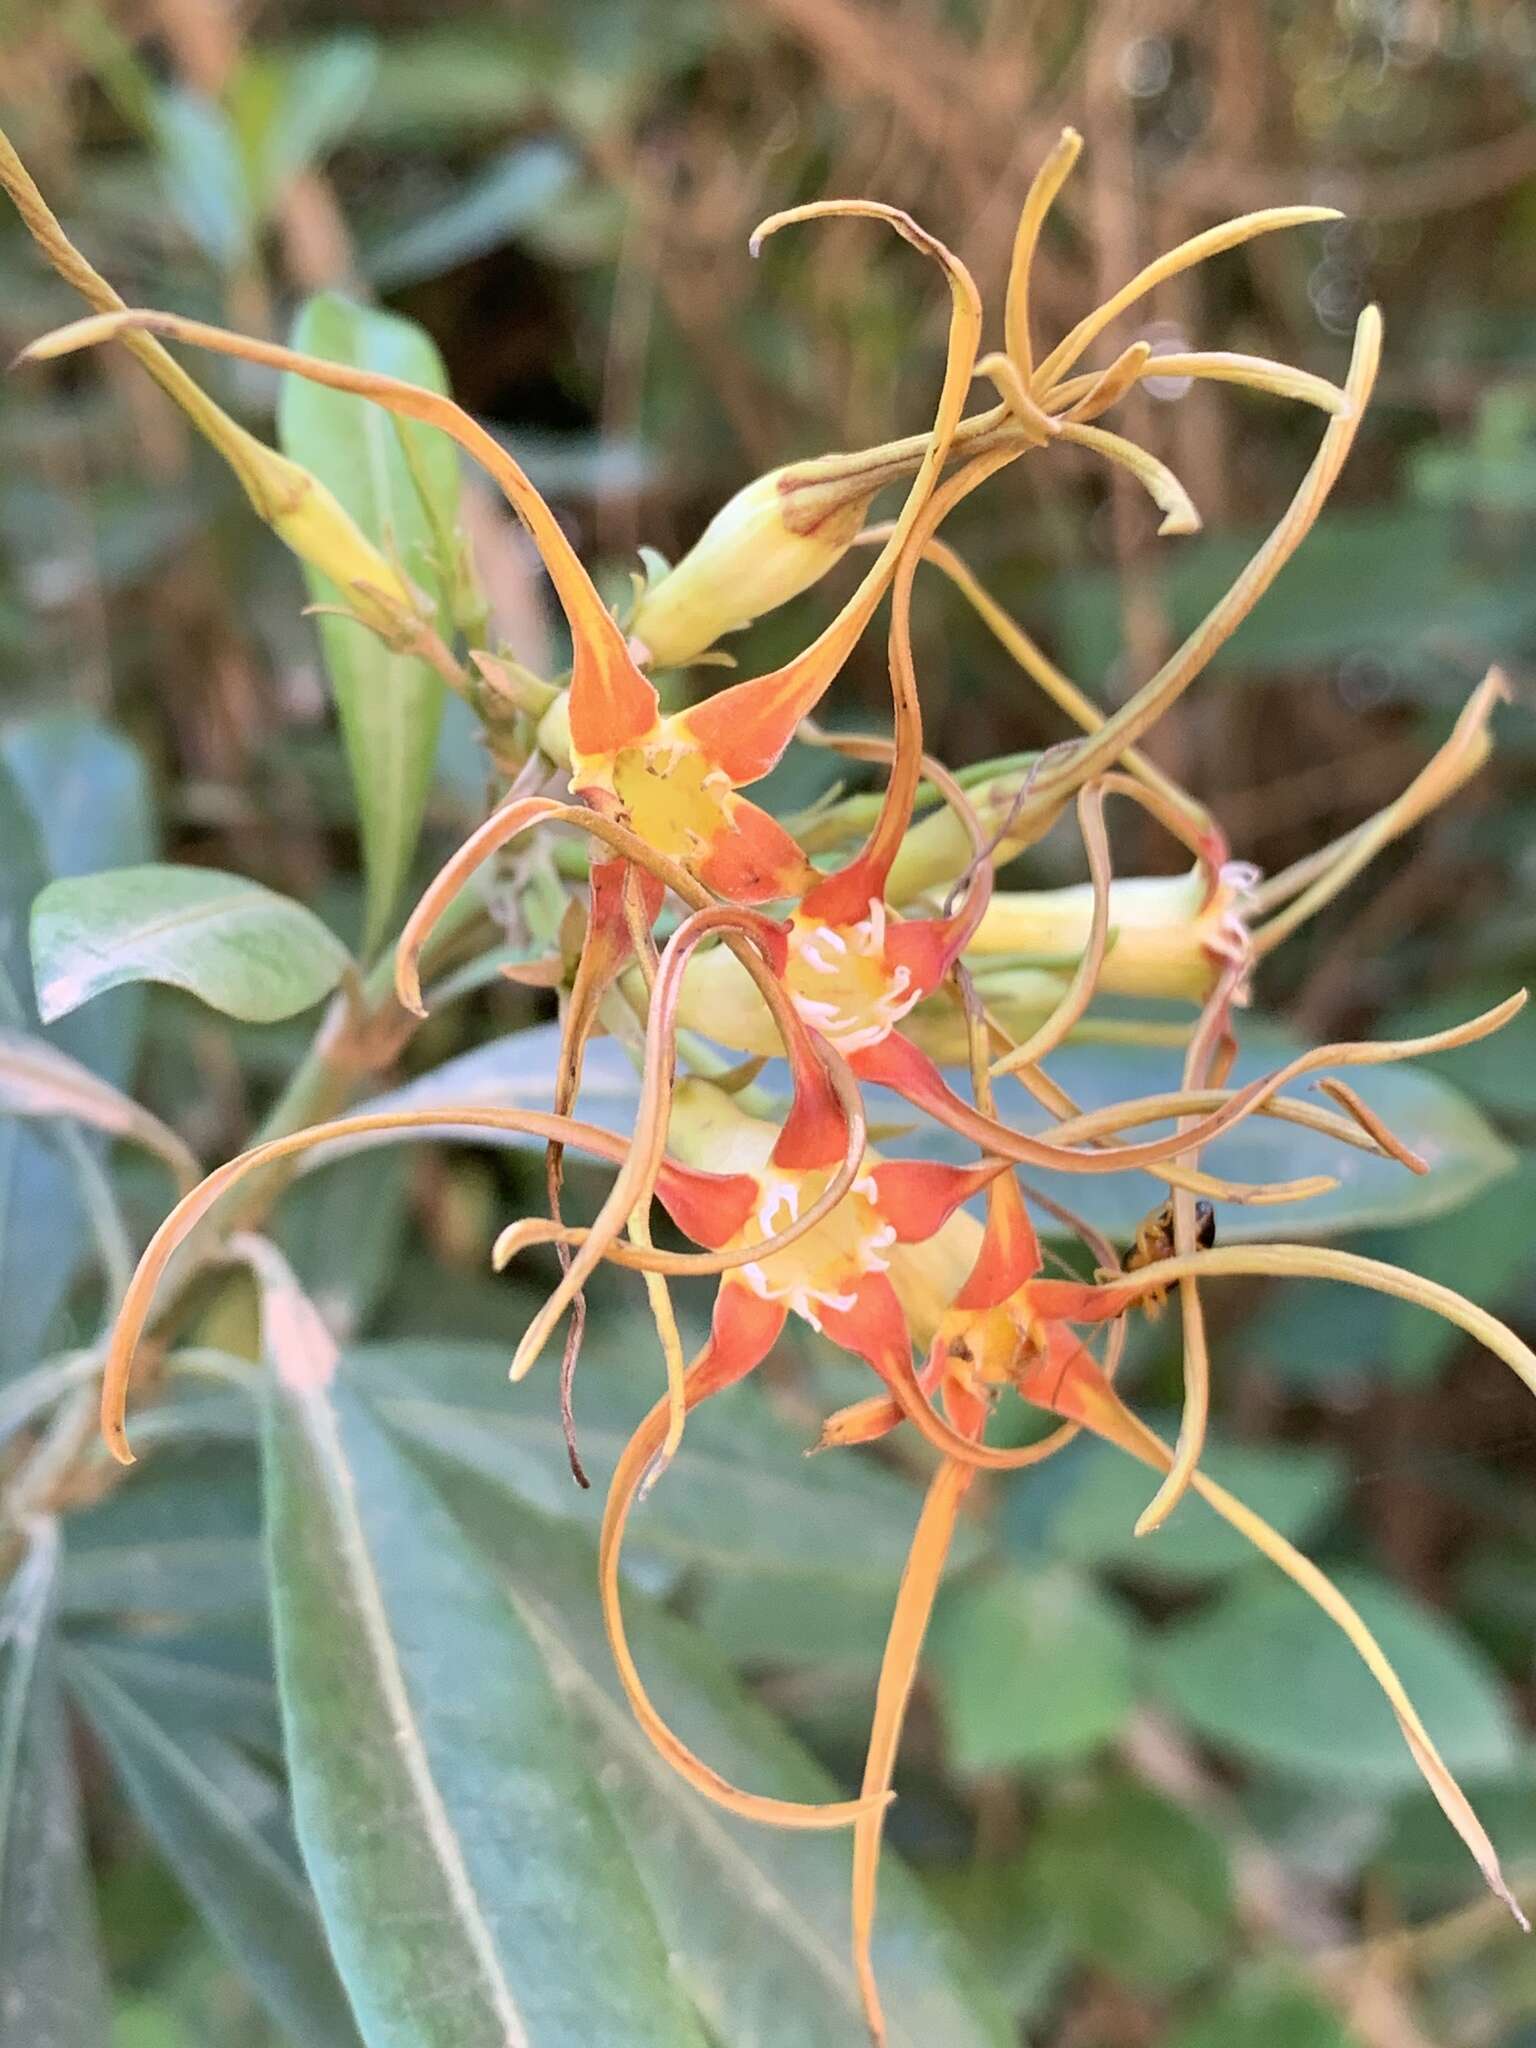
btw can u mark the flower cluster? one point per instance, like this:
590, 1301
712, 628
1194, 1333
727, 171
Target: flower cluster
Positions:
866, 944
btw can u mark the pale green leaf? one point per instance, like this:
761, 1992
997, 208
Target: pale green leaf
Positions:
237, 946
1097, 1495
1141, 1887
486, 213
755, 1918
52, 1989
1031, 1667
473, 1884
194, 1801
400, 482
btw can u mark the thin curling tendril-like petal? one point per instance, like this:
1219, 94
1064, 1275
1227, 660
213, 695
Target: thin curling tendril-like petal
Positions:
1217, 366
1155, 478
920, 1577
1325, 1262
1038, 201
1141, 711
1079, 992
1198, 249
635, 1461
1127, 1430
1108, 387
137, 1302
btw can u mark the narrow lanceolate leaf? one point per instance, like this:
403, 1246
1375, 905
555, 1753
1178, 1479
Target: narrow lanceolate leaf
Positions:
756, 1919
400, 482
52, 1992
36, 1079
208, 1829
474, 1886
42, 1227
87, 788
239, 947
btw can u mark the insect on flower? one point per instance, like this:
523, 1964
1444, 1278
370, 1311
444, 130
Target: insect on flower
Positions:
1154, 1242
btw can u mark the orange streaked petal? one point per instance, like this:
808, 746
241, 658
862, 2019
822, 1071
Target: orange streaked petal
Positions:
1080, 1301
1010, 1250
864, 1422
967, 1410
708, 1207
753, 860
742, 1332
874, 1328
635, 1462
815, 1133
918, 1196
745, 729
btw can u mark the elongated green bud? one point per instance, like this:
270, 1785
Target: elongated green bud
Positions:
774, 539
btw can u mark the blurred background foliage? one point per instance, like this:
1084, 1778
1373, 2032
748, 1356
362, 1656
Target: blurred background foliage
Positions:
1160, 1803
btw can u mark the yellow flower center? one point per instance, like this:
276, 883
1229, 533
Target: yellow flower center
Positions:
823, 1268
841, 984
672, 798
988, 1347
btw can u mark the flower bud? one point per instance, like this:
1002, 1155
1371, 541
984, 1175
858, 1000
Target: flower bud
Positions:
774, 539
1169, 934
306, 517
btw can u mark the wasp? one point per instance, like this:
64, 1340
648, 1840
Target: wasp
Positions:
1154, 1241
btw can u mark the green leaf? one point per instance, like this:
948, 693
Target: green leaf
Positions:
1496, 1071
1482, 1250
1031, 1667
1265, 1674
1464, 1152
41, 1219
87, 788
342, 1232
754, 1918
745, 1497
180, 1535
400, 482
1100, 1493
512, 190
1405, 580
1142, 1887
88, 791
204, 177
497, 1902
72, 795
252, 1896
516, 1071
52, 1988
291, 111
237, 946
195, 1682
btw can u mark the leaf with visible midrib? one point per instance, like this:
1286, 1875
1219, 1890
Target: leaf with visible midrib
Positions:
756, 1918
52, 1990
239, 947
475, 1888
253, 1898
390, 704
